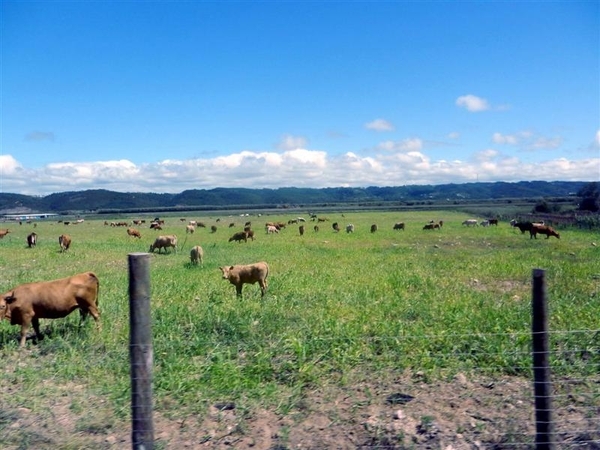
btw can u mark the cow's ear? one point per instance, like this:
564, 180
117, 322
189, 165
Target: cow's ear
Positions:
231, 268
10, 298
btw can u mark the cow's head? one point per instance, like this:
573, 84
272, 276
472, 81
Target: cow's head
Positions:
6, 300
225, 271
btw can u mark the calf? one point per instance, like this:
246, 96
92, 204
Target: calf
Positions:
196, 255
249, 274
26, 304
164, 242
64, 240
542, 229
31, 240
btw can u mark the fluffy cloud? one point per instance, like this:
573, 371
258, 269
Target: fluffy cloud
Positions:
289, 142
379, 125
392, 163
40, 136
472, 103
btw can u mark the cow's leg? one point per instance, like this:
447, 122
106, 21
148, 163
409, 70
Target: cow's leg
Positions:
238, 289
36, 327
263, 287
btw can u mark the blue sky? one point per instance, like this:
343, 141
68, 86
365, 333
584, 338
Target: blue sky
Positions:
168, 96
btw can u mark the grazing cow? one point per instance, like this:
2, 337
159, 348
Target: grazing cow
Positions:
196, 255
190, 229
373, 228
350, 228
4, 232
248, 274
471, 223
493, 222
399, 226
193, 223
133, 232
31, 240
164, 242
485, 223
201, 225
64, 240
432, 226
155, 226
213, 228
249, 232
271, 229
523, 226
239, 237
301, 230
316, 228
542, 229
232, 224
336, 227
26, 304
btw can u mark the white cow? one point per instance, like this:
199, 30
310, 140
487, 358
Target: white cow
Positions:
471, 223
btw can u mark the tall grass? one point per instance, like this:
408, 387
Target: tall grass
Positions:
433, 301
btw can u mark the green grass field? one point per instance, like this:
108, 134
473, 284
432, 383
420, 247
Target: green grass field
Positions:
434, 301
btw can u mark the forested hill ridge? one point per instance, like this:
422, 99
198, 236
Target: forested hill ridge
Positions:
98, 199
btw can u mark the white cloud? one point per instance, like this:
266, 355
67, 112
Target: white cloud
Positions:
8, 165
393, 163
472, 103
499, 138
379, 125
289, 142
406, 145
454, 135
597, 139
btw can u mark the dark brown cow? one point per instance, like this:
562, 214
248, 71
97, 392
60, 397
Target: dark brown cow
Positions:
26, 304
399, 226
31, 240
239, 237
373, 228
64, 240
247, 274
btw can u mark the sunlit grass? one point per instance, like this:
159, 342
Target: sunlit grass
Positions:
426, 300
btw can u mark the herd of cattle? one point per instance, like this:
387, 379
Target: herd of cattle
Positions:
26, 304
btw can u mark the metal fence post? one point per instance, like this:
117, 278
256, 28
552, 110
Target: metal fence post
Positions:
140, 352
544, 439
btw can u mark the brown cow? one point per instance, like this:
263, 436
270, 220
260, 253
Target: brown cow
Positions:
542, 229
64, 240
133, 232
26, 304
301, 230
399, 226
239, 237
4, 232
373, 228
164, 242
250, 274
190, 229
31, 240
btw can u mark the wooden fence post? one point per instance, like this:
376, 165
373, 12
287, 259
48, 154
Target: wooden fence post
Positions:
544, 438
140, 352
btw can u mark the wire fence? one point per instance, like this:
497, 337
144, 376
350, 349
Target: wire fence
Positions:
477, 409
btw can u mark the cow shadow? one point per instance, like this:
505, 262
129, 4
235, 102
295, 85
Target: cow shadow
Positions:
53, 335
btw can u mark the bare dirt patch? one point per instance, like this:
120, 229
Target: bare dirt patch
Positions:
400, 413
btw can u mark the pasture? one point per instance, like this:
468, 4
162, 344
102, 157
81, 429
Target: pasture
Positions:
341, 308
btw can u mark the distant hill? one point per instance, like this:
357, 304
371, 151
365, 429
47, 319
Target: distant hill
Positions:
100, 200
